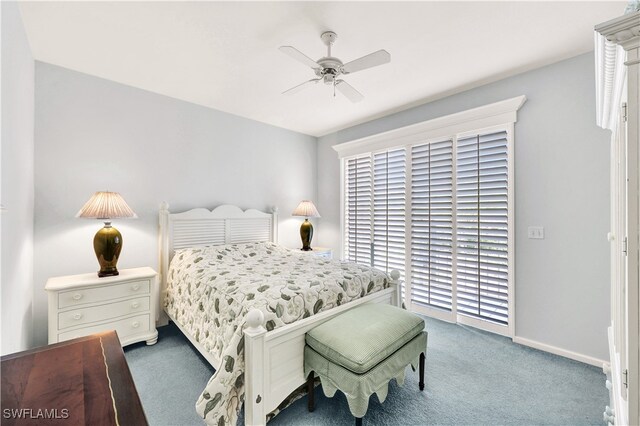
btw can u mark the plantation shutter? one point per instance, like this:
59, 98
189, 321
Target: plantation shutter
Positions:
358, 214
432, 224
482, 219
389, 210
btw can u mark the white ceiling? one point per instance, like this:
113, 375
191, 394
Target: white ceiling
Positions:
224, 55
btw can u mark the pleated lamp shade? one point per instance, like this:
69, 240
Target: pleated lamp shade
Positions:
107, 243
106, 205
306, 209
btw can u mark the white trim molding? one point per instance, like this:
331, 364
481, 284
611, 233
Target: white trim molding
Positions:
612, 38
558, 351
624, 30
494, 114
615, 386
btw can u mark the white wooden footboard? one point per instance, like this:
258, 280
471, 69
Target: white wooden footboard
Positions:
274, 361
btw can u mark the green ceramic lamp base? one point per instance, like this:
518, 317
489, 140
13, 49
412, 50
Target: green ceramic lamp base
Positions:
306, 234
107, 244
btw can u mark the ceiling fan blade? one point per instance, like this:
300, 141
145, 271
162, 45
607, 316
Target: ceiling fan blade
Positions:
371, 60
346, 89
299, 56
299, 87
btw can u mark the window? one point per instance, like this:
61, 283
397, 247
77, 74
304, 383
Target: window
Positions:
374, 210
358, 214
437, 207
388, 249
432, 224
482, 226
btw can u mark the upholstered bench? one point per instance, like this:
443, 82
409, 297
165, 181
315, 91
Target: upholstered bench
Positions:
361, 350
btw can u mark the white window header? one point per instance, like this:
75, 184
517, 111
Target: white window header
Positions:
474, 119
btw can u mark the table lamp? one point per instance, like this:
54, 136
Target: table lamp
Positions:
306, 209
107, 243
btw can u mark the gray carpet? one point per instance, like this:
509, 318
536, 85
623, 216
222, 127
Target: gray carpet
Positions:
472, 378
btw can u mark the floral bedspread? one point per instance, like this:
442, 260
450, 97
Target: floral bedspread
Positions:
211, 289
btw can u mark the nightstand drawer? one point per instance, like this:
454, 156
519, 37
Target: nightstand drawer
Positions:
124, 327
101, 294
80, 305
102, 312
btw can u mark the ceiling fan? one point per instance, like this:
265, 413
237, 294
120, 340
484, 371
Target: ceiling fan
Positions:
329, 68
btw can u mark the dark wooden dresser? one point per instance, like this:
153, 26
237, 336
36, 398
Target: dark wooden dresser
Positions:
84, 381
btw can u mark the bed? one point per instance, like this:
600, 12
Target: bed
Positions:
246, 303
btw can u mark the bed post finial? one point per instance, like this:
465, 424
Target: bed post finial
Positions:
395, 283
164, 207
254, 356
255, 321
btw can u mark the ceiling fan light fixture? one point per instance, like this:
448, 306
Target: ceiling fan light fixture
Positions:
329, 68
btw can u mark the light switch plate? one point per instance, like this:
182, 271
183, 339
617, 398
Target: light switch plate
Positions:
536, 232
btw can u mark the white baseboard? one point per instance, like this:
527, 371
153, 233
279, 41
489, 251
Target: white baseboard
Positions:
558, 351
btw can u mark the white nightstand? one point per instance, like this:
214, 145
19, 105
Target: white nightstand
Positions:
319, 251
80, 305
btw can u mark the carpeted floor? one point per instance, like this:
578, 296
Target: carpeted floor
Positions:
472, 378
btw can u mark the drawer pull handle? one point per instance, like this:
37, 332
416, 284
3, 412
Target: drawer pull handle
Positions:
135, 324
135, 305
135, 287
77, 296
77, 316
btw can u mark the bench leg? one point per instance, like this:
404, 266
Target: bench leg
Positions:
310, 390
422, 371
358, 421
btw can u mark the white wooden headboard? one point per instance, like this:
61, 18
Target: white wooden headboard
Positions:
225, 224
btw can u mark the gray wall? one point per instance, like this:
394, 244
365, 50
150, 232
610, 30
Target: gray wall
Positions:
16, 222
562, 183
92, 134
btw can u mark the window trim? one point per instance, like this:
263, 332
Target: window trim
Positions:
500, 115
495, 114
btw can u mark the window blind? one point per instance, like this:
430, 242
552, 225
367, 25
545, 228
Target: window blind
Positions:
432, 224
438, 213
482, 226
389, 210
358, 213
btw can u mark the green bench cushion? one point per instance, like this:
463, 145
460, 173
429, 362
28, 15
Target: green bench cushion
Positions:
362, 337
